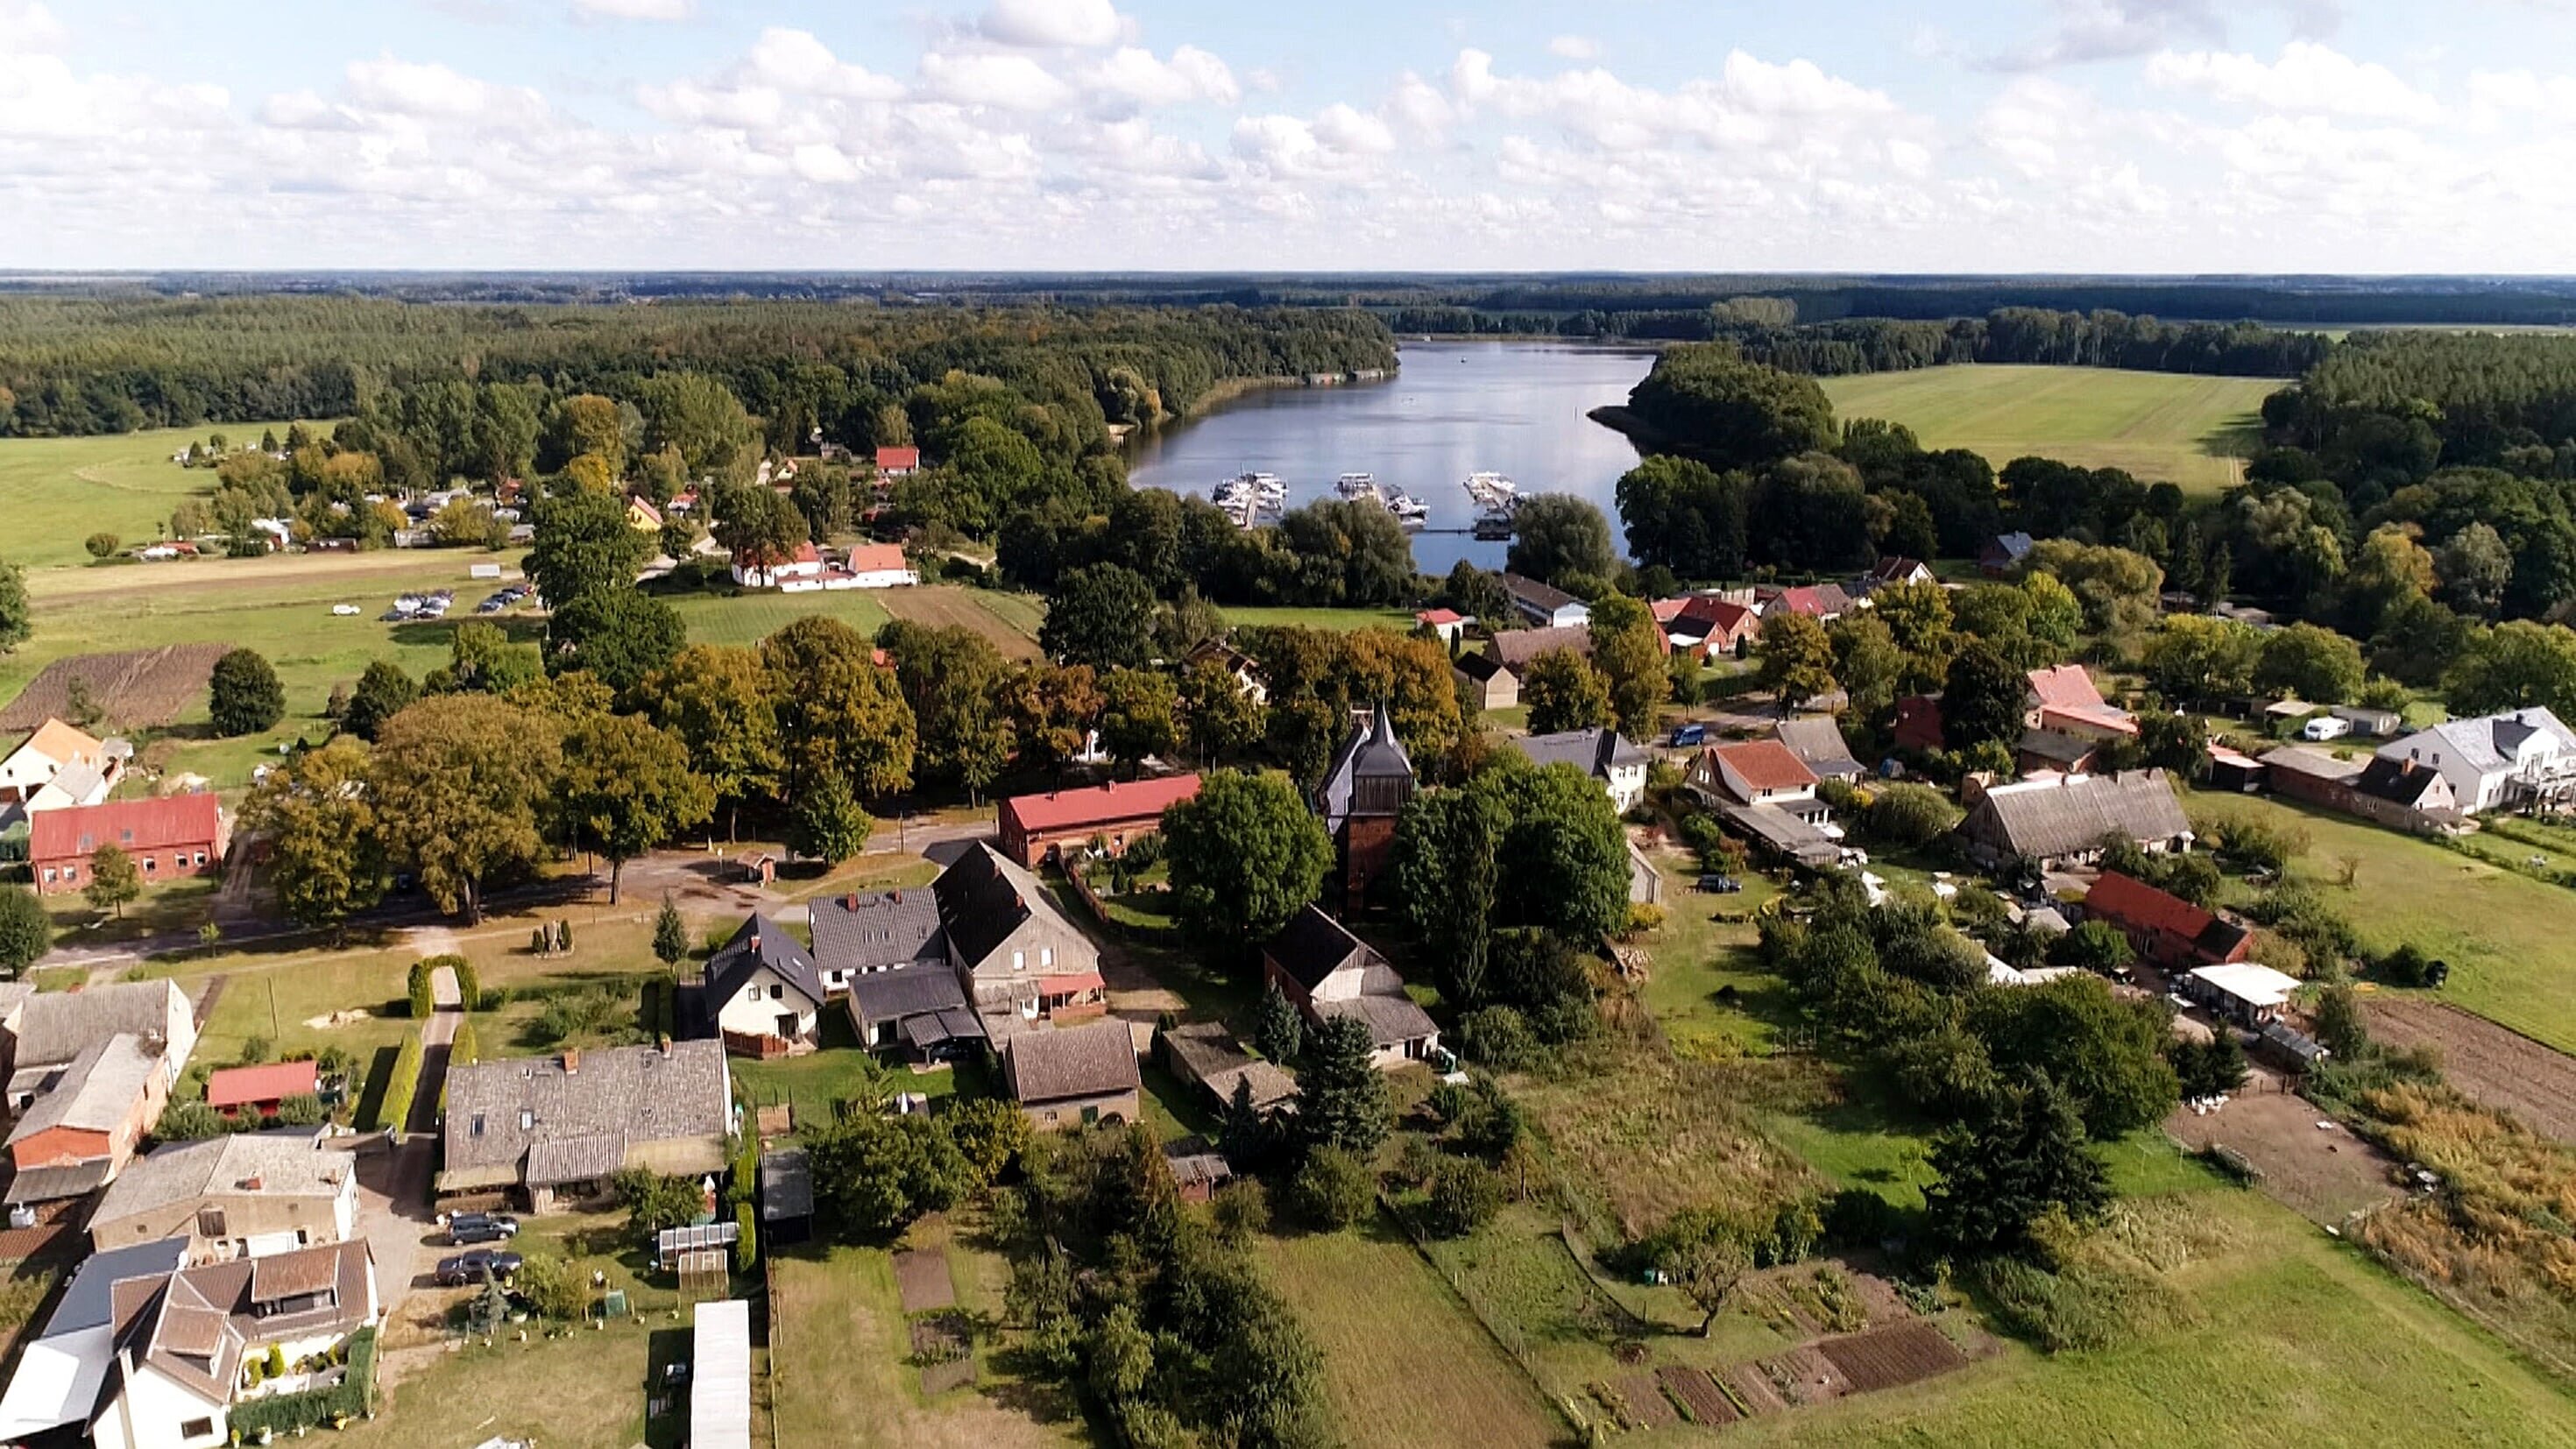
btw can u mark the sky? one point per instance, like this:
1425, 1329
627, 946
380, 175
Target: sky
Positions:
2140, 136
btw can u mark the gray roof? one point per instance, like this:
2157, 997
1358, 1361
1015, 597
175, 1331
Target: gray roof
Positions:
786, 1185
2317, 764
956, 1023
54, 1026
1818, 743
924, 990
97, 1092
2070, 817
1390, 1019
637, 1095
1093, 1060
1546, 598
1373, 753
86, 1303
2063, 750
52, 1184
2488, 742
983, 898
186, 1171
1517, 647
1313, 946
1595, 751
1478, 667
1783, 832
760, 942
2400, 782
873, 930
583, 1157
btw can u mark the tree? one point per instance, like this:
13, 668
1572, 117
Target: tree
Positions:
1246, 854
1341, 1095
243, 695
626, 788
1464, 1196
1708, 1270
655, 1203
2094, 946
1564, 692
1479, 594
701, 418
718, 700
1332, 1187
839, 713
956, 683
1101, 615
2108, 1053
1560, 536
876, 1174
26, 932
2117, 587
1246, 1134
1218, 714
552, 1287
1796, 659
829, 824
619, 635
2341, 1028
2020, 1155
2515, 665
326, 859
459, 782
1277, 1030
383, 691
1446, 870
760, 528
1920, 626
17, 616
482, 660
114, 879
1629, 652
100, 545
670, 934
1139, 715
2310, 662
1704, 401
1983, 700
1564, 852
583, 545
2194, 657
1867, 663
2474, 567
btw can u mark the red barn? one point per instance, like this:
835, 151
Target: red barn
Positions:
260, 1089
1034, 825
2167, 930
171, 838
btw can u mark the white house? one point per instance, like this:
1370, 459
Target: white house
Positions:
1327, 972
764, 990
1545, 605
759, 572
1754, 772
880, 566
1603, 754
2527, 757
53, 750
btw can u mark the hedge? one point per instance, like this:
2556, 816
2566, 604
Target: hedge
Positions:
469, 987
746, 1243
423, 1000
395, 1108
354, 1397
463, 1051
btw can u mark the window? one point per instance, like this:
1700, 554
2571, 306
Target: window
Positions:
1046, 957
201, 857
476, 1128
197, 1429
49, 875
151, 864
777, 992
1019, 960
210, 1222
751, 992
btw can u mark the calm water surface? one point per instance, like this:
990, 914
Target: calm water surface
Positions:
1515, 408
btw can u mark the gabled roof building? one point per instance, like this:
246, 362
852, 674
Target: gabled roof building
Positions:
557, 1128
1367, 786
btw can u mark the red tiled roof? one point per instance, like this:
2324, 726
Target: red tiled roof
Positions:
241, 1086
1715, 616
2065, 687
1437, 617
1099, 805
2099, 716
1813, 600
898, 458
133, 825
1765, 764
1666, 610
2125, 901
870, 558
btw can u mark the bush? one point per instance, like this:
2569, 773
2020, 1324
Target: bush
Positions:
26, 931
1498, 1036
469, 986
746, 1243
354, 1397
1332, 1189
553, 1287
304, 1109
189, 1121
1909, 814
1465, 1195
2408, 965
100, 545
2094, 946
1858, 1218
394, 1109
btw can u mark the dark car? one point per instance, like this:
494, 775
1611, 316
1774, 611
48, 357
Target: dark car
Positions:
1720, 885
465, 1229
1689, 734
473, 1267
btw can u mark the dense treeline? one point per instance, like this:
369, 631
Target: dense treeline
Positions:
88, 365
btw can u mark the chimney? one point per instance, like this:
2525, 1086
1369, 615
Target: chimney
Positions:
250, 1184
850, 902
755, 943
666, 1048
571, 1060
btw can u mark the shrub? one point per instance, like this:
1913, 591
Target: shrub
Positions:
1465, 1195
189, 1121
2094, 946
352, 1398
2408, 965
1858, 1218
469, 986
1498, 1036
1910, 814
304, 1109
393, 1110
553, 1287
1332, 1189
423, 1001
100, 545
746, 1243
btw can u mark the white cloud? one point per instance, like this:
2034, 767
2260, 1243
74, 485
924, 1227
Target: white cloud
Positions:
2090, 30
1190, 75
2500, 94
1009, 82
793, 60
407, 88
28, 27
2308, 77
1574, 47
633, 9
1050, 24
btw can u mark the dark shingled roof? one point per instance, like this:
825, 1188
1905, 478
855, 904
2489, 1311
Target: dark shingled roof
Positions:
982, 899
2045, 821
1594, 751
877, 929
759, 942
1373, 753
786, 1185
1818, 743
1390, 1019
1094, 1060
635, 1094
1313, 946
923, 990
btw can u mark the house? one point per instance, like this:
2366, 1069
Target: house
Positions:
85, 1125
1248, 678
802, 565
1817, 741
2519, 760
862, 933
642, 516
555, 1129
171, 838
920, 1013
261, 1089
2049, 752
2052, 821
71, 788
764, 996
1075, 1075
1604, 754
1017, 957
62, 1367
1823, 603
1545, 605
2166, 930
1206, 1055
1448, 625
898, 462
720, 1375
41, 1033
1714, 626
1489, 685
1367, 787
1894, 569
1756, 772
1645, 883
879, 566
182, 1341
2065, 700
244, 1195
2004, 552
1328, 972
1515, 648
2249, 995
2404, 793
1789, 837
1918, 726
1035, 828
53, 748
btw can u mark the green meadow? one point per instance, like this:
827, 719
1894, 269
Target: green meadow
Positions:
2162, 427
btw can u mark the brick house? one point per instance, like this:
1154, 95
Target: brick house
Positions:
1034, 826
2166, 930
171, 838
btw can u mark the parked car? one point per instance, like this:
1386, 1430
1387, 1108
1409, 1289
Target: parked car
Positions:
466, 1229
1720, 885
473, 1267
1689, 734
345, 611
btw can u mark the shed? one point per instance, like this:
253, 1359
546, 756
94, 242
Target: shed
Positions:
2246, 993
786, 1195
720, 1377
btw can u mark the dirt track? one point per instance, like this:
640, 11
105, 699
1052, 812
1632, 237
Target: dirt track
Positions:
2496, 1067
2323, 1174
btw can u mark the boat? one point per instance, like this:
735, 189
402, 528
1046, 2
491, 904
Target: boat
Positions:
1494, 524
1408, 509
1492, 490
1356, 485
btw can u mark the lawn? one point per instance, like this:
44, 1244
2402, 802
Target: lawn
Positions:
2505, 935
1405, 1363
1400, 620
56, 492
1704, 985
753, 617
2160, 426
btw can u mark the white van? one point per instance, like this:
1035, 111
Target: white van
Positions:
2325, 727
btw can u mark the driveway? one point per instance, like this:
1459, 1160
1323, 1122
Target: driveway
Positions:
394, 1216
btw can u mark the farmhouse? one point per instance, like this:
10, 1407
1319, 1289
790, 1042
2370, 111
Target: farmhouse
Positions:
1714, 626
2049, 752
171, 838
62, 1367
2065, 701
2401, 794
2513, 761
2166, 930
556, 1128
245, 1195
41, 1033
1446, 625
802, 565
1367, 787
1206, 1055
1014, 951
2004, 552
58, 767
182, 1340
261, 1090
1515, 648
1823, 603
762, 991
1892, 569
1756, 772
898, 462
876, 566
1074, 1076
642, 516
1036, 827
1545, 605
2053, 821
2249, 995
84, 1126
861, 933
1818, 743
1328, 972
1603, 754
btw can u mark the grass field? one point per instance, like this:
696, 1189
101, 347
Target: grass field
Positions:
1400, 620
2159, 426
56, 492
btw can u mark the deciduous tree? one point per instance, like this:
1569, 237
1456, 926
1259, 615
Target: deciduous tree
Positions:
1101, 615
114, 879
26, 932
1139, 715
383, 691
1796, 659
583, 544
1629, 652
719, 700
1557, 536
839, 713
1562, 691
459, 782
1217, 714
619, 635
326, 860
1246, 854
626, 788
243, 696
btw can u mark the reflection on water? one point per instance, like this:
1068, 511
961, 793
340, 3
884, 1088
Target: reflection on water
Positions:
1515, 408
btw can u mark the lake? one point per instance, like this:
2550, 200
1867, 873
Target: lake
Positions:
1455, 408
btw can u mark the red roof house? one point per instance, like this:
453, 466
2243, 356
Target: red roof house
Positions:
1752, 772
1719, 626
2066, 700
896, 462
170, 838
2166, 929
1034, 825
260, 1088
